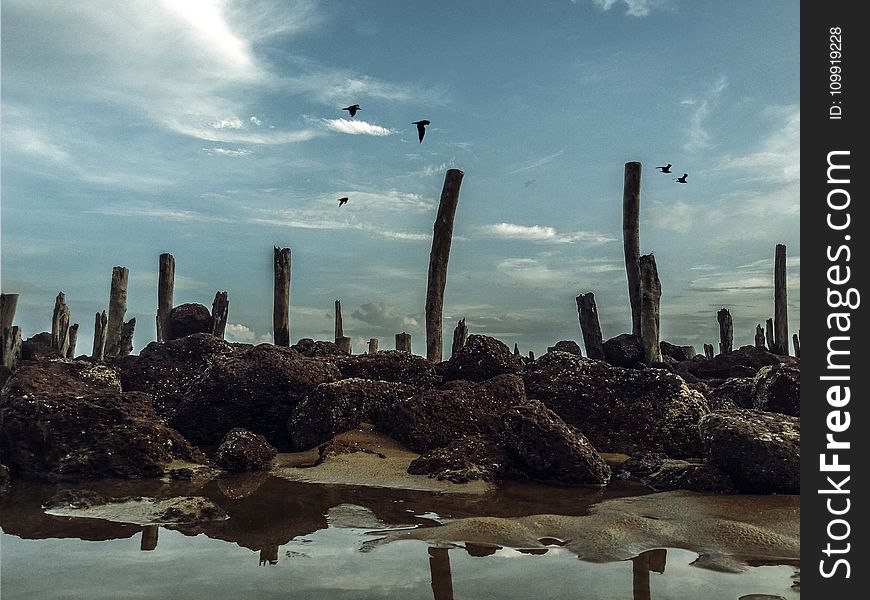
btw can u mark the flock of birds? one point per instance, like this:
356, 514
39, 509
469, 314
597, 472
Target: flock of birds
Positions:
421, 131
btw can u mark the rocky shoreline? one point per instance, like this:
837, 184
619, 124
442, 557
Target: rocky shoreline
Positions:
730, 424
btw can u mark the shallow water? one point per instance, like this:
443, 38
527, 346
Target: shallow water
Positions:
295, 540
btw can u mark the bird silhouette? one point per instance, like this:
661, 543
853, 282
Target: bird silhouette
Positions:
421, 128
666, 168
682, 179
342, 201
352, 109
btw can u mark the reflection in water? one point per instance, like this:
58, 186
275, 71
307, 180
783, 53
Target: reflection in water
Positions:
269, 555
442, 580
642, 564
149, 537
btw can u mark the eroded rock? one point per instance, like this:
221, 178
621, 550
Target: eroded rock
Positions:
482, 358
242, 450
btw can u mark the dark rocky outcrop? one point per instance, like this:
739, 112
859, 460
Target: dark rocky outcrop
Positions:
617, 409
777, 388
5, 480
310, 348
39, 347
569, 346
759, 450
256, 389
678, 353
335, 407
187, 319
437, 417
744, 362
689, 475
542, 446
242, 450
734, 392
482, 358
643, 464
466, 459
623, 350
389, 365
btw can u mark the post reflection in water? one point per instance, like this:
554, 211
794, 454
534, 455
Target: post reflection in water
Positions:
269, 555
442, 580
642, 564
149, 537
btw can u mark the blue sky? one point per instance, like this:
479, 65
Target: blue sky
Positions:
212, 129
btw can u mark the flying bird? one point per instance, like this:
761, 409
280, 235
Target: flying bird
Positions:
352, 109
666, 168
682, 179
421, 128
342, 201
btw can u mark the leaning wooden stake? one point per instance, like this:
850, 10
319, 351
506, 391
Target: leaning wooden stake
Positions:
117, 310
631, 239
590, 326
403, 342
125, 341
100, 331
220, 309
650, 299
165, 291
460, 336
72, 337
60, 325
780, 302
768, 328
281, 307
8, 303
726, 331
708, 351
339, 326
442, 238
373, 346
759, 336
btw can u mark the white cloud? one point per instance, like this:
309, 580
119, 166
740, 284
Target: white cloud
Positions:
633, 8
385, 318
232, 152
233, 123
255, 121
697, 136
679, 216
337, 87
777, 158
356, 127
538, 162
542, 234
236, 332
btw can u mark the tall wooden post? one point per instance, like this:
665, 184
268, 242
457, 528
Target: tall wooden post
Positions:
220, 309
281, 307
10, 346
100, 332
589, 326
650, 299
442, 238
768, 328
460, 336
72, 337
726, 331
759, 336
117, 310
165, 291
403, 342
339, 326
631, 239
8, 303
60, 325
373, 346
780, 302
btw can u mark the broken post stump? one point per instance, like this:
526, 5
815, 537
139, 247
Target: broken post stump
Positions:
281, 305
8, 303
403, 342
100, 323
220, 309
631, 239
10, 346
650, 299
590, 326
345, 344
516, 349
442, 238
165, 292
759, 336
780, 302
726, 331
708, 351
125, 341
373, 346
460, 336
768, 329
339, 326
72, 337
60, 325
531, 355
117, 310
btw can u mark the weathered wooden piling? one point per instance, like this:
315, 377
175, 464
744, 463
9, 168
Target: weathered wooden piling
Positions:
339, 326
60, 325
220, 309
281, 306
100, 332
460, 336
531, 355
726, 331
442, 238
759, 336
516, 349
796, 338
631, 239
8, 303
708, 351
650, 299
403, 342
165, 292
590, 327
373, 346
768, 334
117, 310
345, 344
72, 337
780, 302
10, 346
125, 341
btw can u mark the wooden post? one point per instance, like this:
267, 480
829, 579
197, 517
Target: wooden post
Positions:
780, 302
531, 355
100, 331
72, 337
442, 238
726, 331
125, 341
708, 351
516, 350
345, 344
768, 328
10, 346
650, 299
117, 310
759, 336
281, 308
60, 325
373, 346
403, 342
796, 338
8, 303
460, 336
589, 325
165, 291
339, 327
220, 309
631, 239
439, 569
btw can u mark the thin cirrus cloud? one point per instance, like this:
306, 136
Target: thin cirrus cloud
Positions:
697, 133
356, 127
542, 234
633, 8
